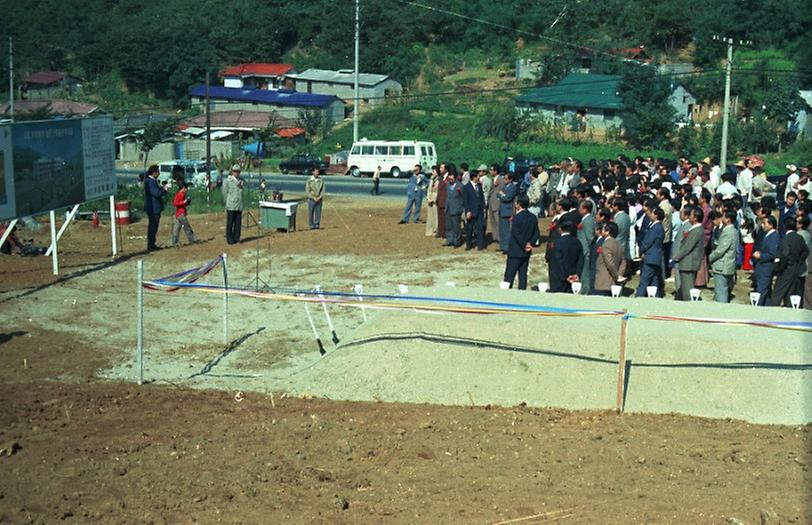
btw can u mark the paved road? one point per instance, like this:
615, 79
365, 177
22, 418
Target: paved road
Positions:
336, 184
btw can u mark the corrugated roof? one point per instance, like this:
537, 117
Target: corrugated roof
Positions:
339, 77
241, 119
257, 69
282, 97
44, 78
579, 90
65, 108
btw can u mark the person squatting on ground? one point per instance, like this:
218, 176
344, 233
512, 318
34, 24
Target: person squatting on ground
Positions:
523, 236
154, 194
232, 195
181, 201
314, 188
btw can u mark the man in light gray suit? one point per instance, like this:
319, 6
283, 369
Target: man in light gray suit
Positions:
690, 253
723, 258
586, 236
624, 224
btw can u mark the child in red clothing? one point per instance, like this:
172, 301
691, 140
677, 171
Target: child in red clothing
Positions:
181, 201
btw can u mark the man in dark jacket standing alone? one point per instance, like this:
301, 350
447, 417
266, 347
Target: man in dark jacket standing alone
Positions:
524, 234
153, 204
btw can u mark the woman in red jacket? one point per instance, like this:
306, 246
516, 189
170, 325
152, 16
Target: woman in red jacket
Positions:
181, 201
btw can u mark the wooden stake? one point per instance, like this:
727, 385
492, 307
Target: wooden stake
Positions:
621, 363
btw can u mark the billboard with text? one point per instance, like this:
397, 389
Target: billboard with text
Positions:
45, 165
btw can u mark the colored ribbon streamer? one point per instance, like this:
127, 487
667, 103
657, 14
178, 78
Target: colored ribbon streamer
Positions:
188, 278
176, 281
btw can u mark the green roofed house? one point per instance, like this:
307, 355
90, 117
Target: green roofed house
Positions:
591, 100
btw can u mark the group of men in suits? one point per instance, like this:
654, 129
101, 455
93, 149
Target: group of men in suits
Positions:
603, 232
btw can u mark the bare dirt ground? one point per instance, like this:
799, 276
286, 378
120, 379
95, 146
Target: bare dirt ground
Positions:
77, 448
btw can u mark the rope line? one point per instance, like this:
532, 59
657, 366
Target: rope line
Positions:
188, 278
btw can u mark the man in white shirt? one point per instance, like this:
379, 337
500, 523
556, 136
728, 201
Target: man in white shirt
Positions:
744, 181
727, 189
792, 179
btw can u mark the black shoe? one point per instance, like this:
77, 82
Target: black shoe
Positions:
402, 222
154, 248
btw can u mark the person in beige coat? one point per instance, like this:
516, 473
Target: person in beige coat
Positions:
690, 254
493, 202
431, 196
723, 258
611, 262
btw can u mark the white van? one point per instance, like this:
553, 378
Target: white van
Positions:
395, 157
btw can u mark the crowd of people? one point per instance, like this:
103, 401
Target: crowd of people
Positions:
672, 221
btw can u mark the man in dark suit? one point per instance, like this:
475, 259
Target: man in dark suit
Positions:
765, 260
442, 195
524, 235
566, 259
453, 211
792, 254
690, 253
506, 198
153, 204
651, 251
473, 202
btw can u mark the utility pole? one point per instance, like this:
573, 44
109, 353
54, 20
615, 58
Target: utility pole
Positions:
11, 78
208, 127
726, 110
357, 106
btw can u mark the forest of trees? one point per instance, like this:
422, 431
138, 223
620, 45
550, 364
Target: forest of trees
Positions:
158, 49
163, 47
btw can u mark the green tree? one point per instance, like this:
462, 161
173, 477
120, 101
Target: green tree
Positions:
154, 133
648, 117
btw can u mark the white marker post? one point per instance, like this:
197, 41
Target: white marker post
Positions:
327, 315
113, 224
54, 258
225, 298
139, 324
71, 215
359, 291
313, 327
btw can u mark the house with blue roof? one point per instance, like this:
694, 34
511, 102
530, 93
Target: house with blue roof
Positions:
286, 103
591, 100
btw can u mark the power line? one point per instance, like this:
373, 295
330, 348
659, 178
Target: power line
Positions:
517, 30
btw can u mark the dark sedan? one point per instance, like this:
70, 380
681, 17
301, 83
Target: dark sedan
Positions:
303, 164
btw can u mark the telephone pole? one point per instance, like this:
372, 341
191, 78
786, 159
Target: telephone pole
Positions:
11, 78
357, 105
726, 110
208, 126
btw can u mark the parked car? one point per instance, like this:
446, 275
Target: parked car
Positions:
303, 164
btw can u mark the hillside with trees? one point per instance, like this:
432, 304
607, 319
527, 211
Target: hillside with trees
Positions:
141, 54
